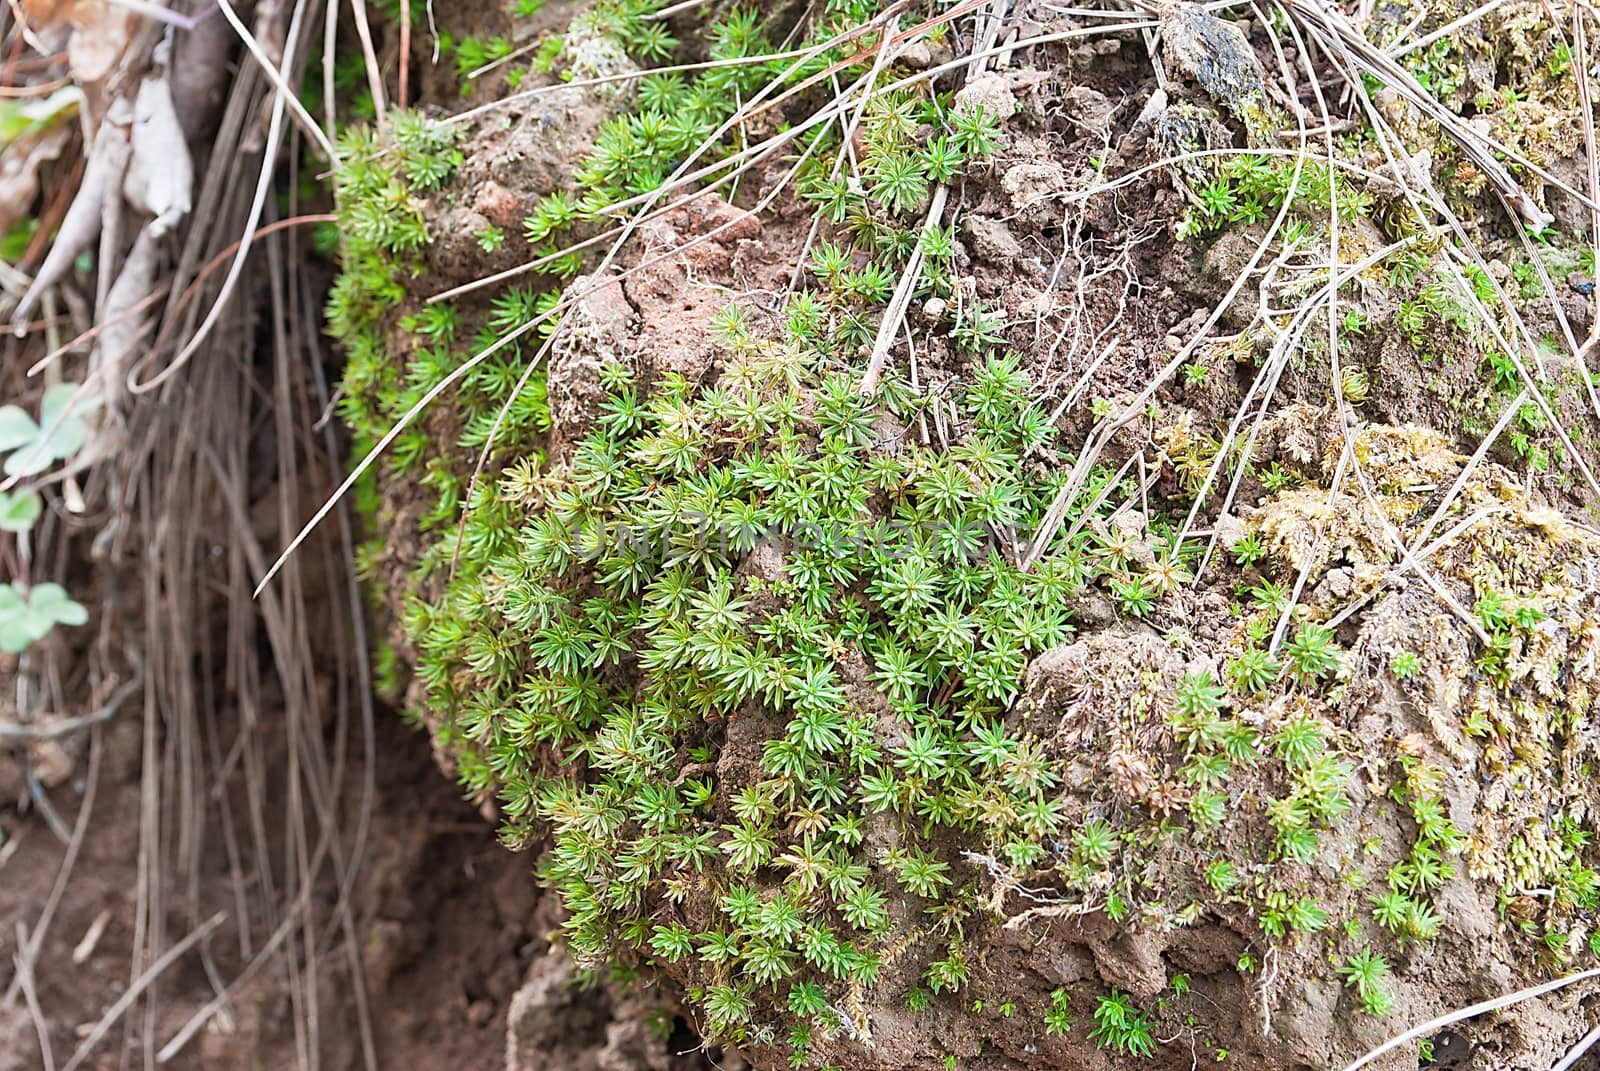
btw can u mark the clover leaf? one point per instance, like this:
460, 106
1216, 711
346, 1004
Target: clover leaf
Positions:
16, 428
28, 614
60, 432
19, 510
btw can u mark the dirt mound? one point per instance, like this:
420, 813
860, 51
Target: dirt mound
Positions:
1047, 606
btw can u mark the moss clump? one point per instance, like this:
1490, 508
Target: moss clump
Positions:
751, 653
1500, 669
747, 653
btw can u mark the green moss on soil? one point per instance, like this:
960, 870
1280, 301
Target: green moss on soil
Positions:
756, 660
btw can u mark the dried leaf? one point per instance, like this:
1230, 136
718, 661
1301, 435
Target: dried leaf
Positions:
42, 13
20, 165
121, 327
102, 34
81, 225
32, 133
160, 175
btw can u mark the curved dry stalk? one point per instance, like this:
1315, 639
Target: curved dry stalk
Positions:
1100, 436
1399, 49
358, 8
50, 730
1577, 1051
24, 975
1334, 31
900, 300
1468, 251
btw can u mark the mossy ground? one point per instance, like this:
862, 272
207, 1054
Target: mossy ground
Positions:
1277, 736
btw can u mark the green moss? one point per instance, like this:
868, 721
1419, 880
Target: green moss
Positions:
750, 653
625, 598
599, 636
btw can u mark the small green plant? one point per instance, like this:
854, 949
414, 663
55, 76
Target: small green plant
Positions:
1059, 1019
1300, 740
1119, 1025
20, 510
1253, 670
1405, 665
60, 432
472, 53
1134, 594
28, 615
548, 53
1312, 654
1249, 550
1364, 972
491, 239
1275, 478
1354, 386
1282, 915
1405, 917
1221, 875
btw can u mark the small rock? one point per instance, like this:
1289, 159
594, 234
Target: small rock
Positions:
1230, 531
989, 92
1341, 582
498, 204
1091, 109
1131, 523
917, 55
1031, 183
1215, 53
592, 337
1093, 611
52, 765
1334, 588
992, 240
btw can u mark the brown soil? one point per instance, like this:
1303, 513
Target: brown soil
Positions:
454, 938
438, 991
